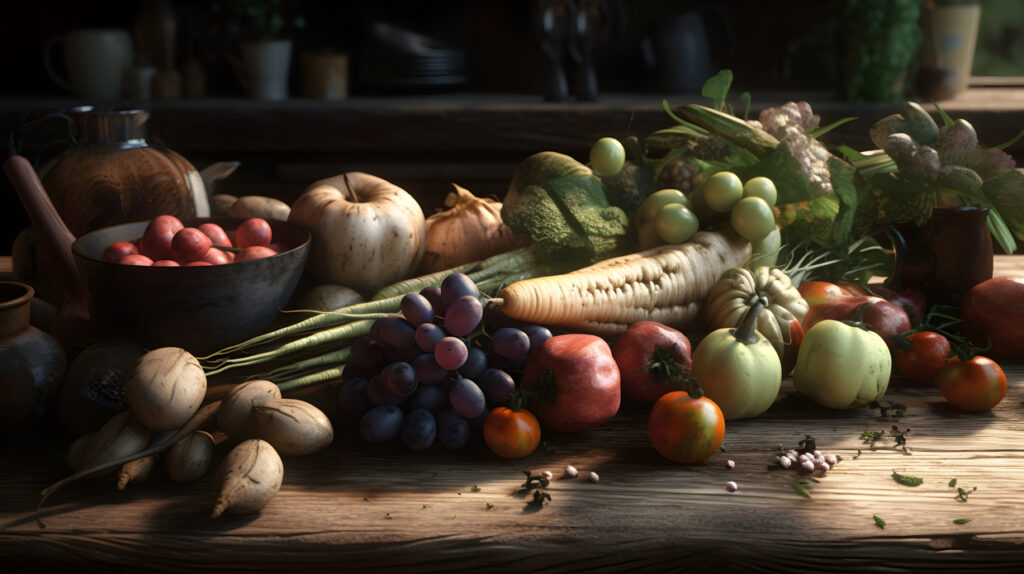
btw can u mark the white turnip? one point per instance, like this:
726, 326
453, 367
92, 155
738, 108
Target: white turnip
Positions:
248, 478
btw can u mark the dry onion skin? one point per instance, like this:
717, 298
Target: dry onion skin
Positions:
248, 478
235, 414
469, 229
165, 388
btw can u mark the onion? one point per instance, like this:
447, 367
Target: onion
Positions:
469, 229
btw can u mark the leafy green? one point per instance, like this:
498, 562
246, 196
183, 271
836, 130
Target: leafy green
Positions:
745, 98
907, 480
961, 520
878, 521
802, 486
784, 170
817, 133
1011, 141
717, 88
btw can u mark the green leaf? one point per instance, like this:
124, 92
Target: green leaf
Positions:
783, 169
1012, 141
899, 197
878, 521
817, 133
907, 480
842, 176
679, 120
946, 120
801, 486
961, 521
717, 88
801, 220
1006, 193
745, 98
849, 153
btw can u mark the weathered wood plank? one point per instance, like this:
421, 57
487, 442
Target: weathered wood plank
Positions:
361, 508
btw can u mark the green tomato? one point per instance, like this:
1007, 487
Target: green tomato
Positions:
765, 253
842, 366
743, 378
722, 191
655, 201
761, 187
607, 156
675, 223
752, 218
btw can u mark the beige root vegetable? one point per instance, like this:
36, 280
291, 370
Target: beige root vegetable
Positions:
190, 458
220, 203
328, 297
248, 478
165, 388
123, 435
293, 426
469, 229
78, 449
667, 284
260, 206
137, 470
235, 414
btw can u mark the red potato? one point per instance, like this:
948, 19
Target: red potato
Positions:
216, 256
136, 259
115, 251
216, 234
166, 263
994, 310
254, 252
198, 264
253, 232
189, 244
155, 242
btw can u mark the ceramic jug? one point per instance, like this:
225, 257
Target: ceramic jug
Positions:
111, 174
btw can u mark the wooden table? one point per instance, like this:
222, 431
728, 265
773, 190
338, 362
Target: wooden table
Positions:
357, 508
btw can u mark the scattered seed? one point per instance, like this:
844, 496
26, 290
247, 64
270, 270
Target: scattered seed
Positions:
731, 486
592, 477
730, 463
547, 475
571, 472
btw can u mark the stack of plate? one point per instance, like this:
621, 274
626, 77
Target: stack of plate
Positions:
398, 60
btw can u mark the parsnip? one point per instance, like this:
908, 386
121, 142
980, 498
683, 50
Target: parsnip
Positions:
667, 284
137, 470
293, 426
190, 458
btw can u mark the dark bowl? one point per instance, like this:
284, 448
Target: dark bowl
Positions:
201, 309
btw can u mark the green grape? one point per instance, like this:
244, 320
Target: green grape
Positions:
655, 201
675, 223
752, 218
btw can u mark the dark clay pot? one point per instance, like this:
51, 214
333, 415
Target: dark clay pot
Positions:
32, 363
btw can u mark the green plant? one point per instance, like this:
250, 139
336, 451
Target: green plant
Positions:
259, 19
881, 38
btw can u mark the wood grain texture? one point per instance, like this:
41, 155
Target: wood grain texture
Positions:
357, 508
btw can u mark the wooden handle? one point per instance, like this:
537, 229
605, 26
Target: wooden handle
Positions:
54, 236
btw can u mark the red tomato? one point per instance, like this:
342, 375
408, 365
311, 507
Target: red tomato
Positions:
923, 357
572, 382
254, 252
977, 384
815, 292
166, 263
189, 244
198, 264
649, 354
684, 429
511, 434
216, 234
155, 242
255, 231
994, 311
136, 259
115, 251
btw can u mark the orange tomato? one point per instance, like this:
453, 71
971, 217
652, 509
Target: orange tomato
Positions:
684, 429
977, 384
511, 434
815, 292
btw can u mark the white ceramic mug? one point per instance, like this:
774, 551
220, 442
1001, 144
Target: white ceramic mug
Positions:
96, 60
